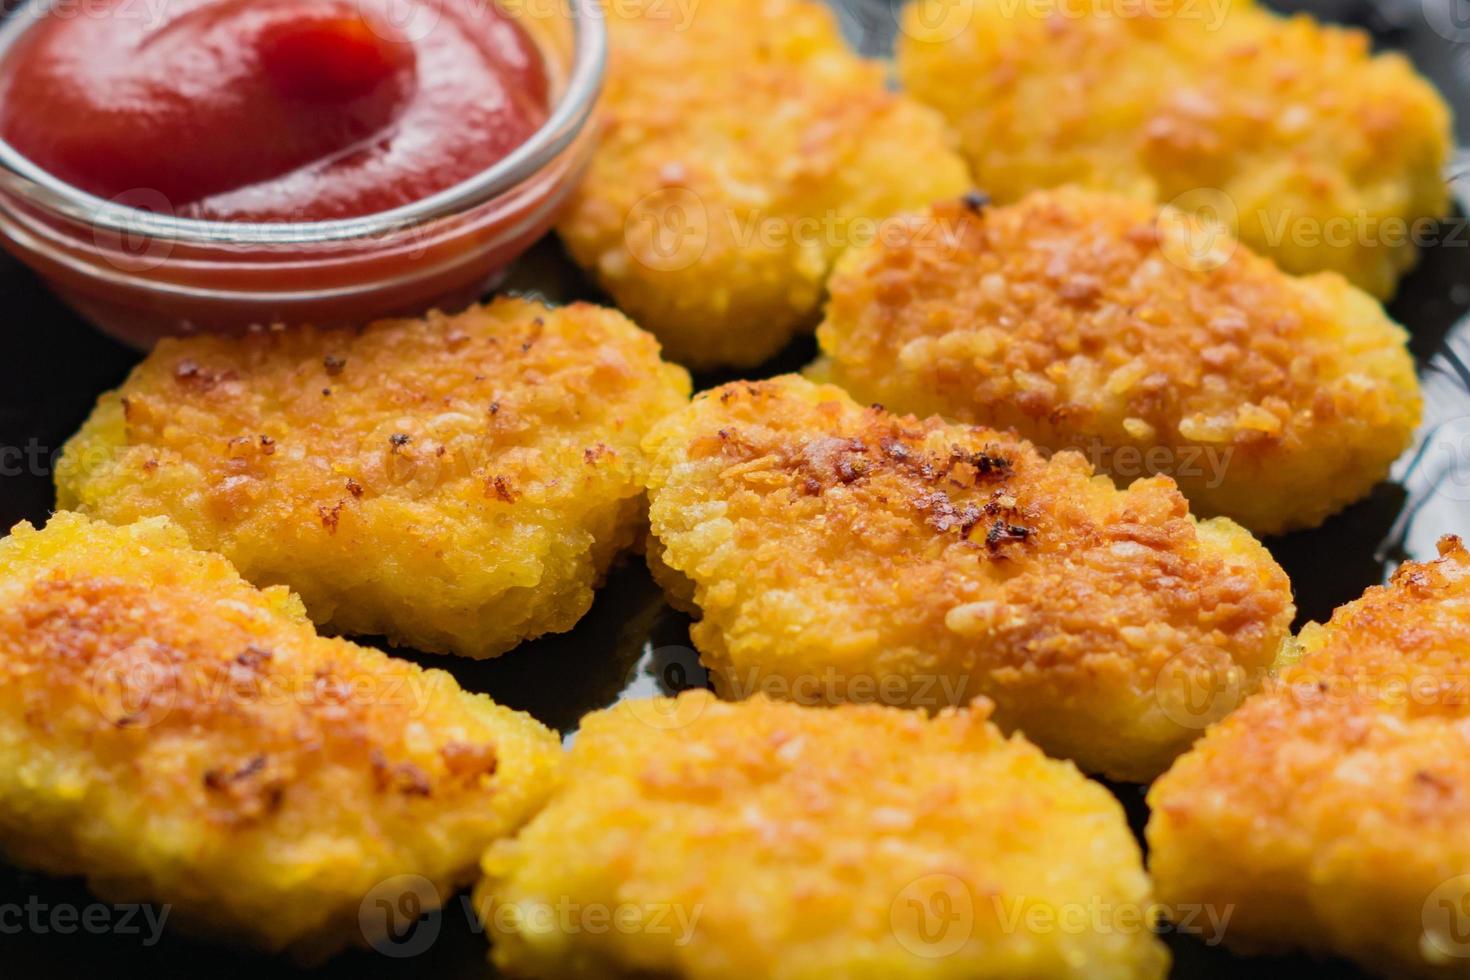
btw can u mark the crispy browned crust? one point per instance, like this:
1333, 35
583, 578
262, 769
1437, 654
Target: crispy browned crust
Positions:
1084, 320
788, 843
177, 736
1330, 810
842, 553
743, 146
459, 483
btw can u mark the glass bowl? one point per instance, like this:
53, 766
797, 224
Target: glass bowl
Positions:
139, 272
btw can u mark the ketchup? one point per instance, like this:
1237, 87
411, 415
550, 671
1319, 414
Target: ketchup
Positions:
272, 110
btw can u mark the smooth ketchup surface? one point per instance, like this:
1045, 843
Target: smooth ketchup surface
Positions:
271, 110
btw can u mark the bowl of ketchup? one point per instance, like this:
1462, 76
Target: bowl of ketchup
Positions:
173, 166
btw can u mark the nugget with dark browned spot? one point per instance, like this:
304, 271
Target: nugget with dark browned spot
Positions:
841, 553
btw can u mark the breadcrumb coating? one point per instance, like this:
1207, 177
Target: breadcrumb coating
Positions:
838, 553
179, 737
1331, 808
743, 147
457, 483
1078, 319
764, 839
1323, 155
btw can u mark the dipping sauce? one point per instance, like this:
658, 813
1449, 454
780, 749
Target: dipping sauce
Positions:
272, 110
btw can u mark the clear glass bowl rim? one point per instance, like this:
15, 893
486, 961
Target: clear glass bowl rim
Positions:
568, 117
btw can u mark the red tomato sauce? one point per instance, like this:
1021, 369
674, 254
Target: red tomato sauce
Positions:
272, 110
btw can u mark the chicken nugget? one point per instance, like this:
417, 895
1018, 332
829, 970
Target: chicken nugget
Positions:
458, 483
1319, 153
177, 736
839, 553
764, 839
1330, 810
743, 147
1081, 320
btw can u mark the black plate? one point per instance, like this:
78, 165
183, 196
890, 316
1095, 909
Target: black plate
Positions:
54, 366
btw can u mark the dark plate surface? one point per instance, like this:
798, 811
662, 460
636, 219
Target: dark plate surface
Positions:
52, 367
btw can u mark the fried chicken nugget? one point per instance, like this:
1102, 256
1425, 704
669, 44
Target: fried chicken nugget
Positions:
1321, 154
1080, 320
177, 736
837, 553
743, 147
1330, 809
458, 483
764, 839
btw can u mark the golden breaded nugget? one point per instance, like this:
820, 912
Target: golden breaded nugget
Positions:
1323, 155
458, 483
1080, 320
719, 841
743, 147
177, 736
838, 553
1331, 809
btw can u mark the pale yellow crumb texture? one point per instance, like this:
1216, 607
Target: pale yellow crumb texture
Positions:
457, 483
1323, 154
177, 737
763, 839
743, 147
